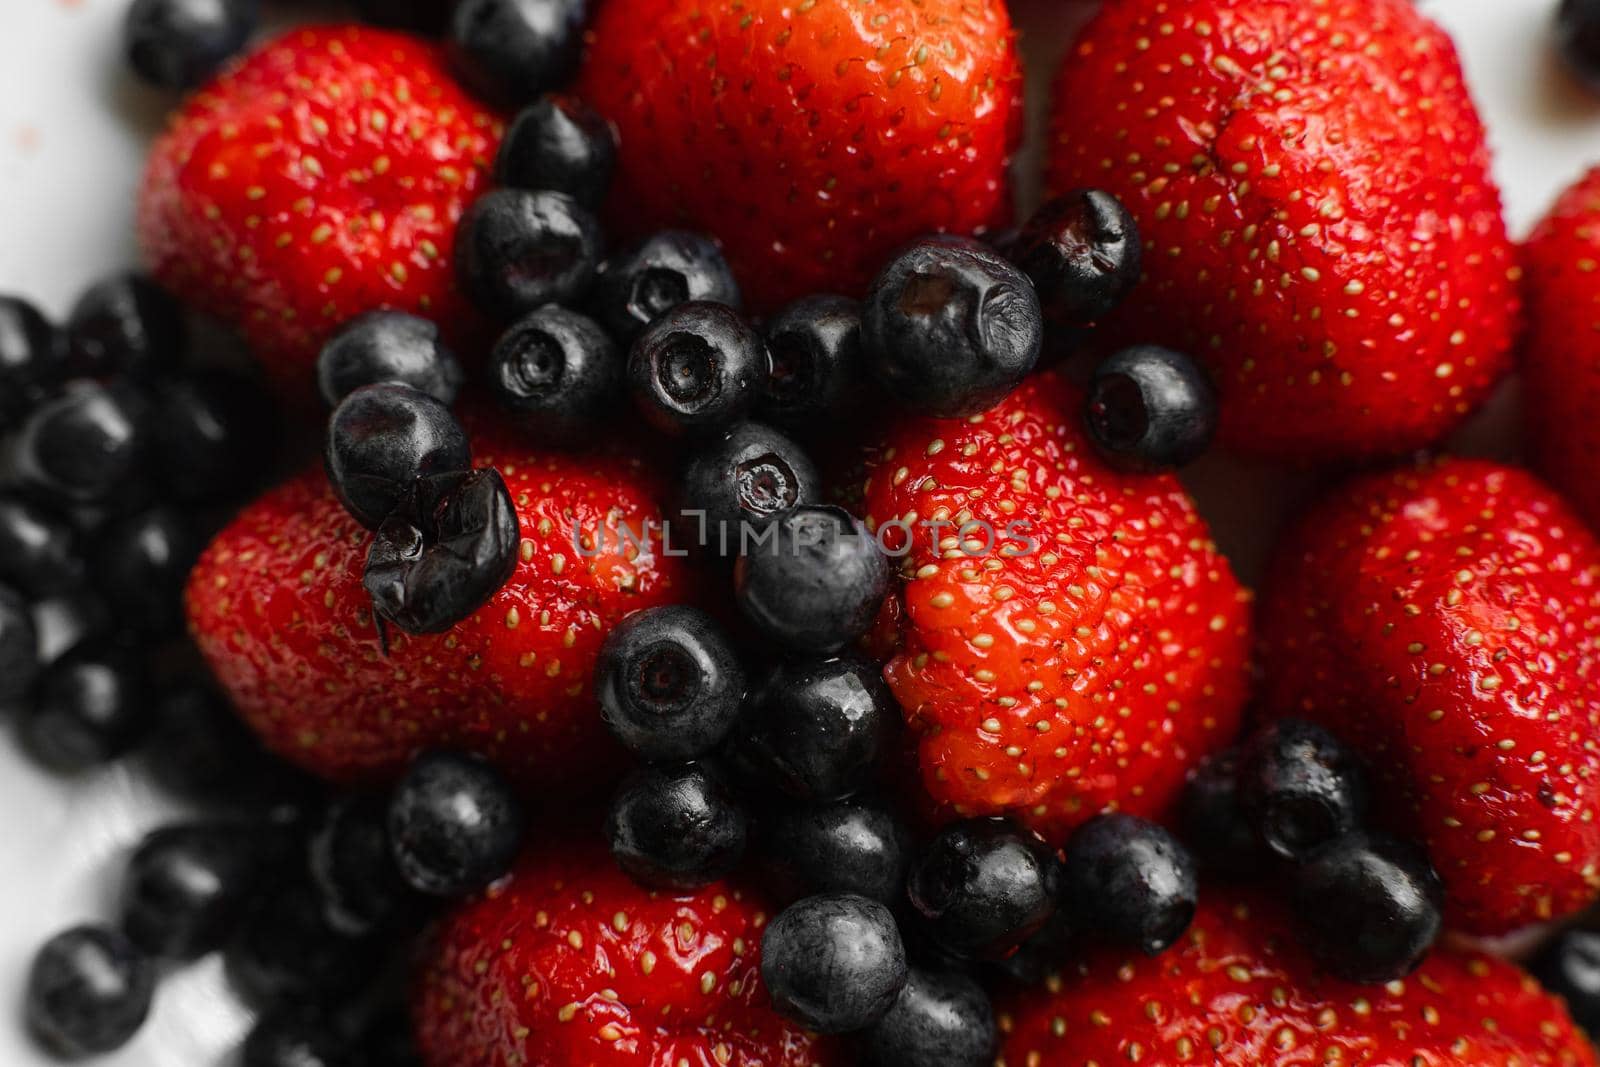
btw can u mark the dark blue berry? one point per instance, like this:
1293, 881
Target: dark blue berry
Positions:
31, 357
1368, 908
697, 367
1048, 951
669, 684
816, 582
88, 708
19, 646
1149, 409
213, 434
1129, 881
558, 374
287, 953
640, 284
85, 446
140, 564
675, 827
818, 369
735, 484
89, 992
126, 324
1301, 788
512, 50
177, 44
382, 439
984, 886
1568, 965
454, 824
353, 867
940, 1019
38, 549
1213, 822
199, 748
843, 846
388, 346
187, 888
1578, 38
561, 144
950, 327
288, 1038
834, 962
1081, 251
518, 250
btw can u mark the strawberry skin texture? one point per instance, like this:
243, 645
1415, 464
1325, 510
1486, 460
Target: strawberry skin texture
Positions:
277, 607
1090, 673
812, 139
1311, 183
567, 962
1238, 991
1443, 619
1561, 350
320, 178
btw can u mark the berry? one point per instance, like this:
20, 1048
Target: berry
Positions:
140, 564
38, 549
1368, 908
950, 328
697, 366
816, 729
188, 887
177, 44
83, 447
558, 374
645, 281
213, 433
1568, 965
198, 748
293, 1039
1082, 253
352, 866
31, 357
816, 582
984, 886
388, 346
126, 324
1129, 881
1578, 38
1213, 821
559, 143
669, 685
382, 439
940, 1019
19, 646
288, 953
842, 846
1301, 788
833, 963
89, 992
87, 709
454, 824
675, 828
518, 250
733, 486
1150, 409
513, 50
818, 369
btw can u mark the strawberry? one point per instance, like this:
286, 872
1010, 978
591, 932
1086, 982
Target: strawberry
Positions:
1443, 619
1071, 640
277, 607
1310, 179
568, 962
1561, 352
812, 138
1238, 991
320, 178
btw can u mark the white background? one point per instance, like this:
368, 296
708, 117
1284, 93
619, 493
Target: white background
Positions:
73, 131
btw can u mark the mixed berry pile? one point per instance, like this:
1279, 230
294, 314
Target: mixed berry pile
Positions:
682, 581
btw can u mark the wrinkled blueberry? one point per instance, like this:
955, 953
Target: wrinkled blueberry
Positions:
818, 369
518, 250
1081, 251
388, 346
833, 963
675, 828
640, 284
816, 582
382, 439
669, 684
558, 374
559, 143
695, 368
737, 483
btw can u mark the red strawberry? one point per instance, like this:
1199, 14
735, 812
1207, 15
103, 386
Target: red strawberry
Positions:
1444, 620
322, 177
1561, 352
277, 607
568, 963
1237, 991
1310, 178
811, 138
1090, 671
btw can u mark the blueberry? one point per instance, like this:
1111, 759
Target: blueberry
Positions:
444, 553
1568, 965
1368, 908
816, 729
126, 324
353, 867
382, 439
31, 357
512, 50
1081, 251
19, 646
454, 824
187, 888
1578, 39
1130, 882
817, 581
649, 279
1150, 409
212, 432
668, 682
1301, 788
561, 144
818, 369
1049, 951
295, 1039
88, 708
177, 44
38, 549
940, 1019
430, 17
558, 374
1213, 822
388, 346
697, 367
675, 827
89, 992
949, 327
82, 447
985, 886
140, 563
287, 953
843, 846
833, 963
198, 748
735, 484
518, 250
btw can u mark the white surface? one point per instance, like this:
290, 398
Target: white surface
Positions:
72, 136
